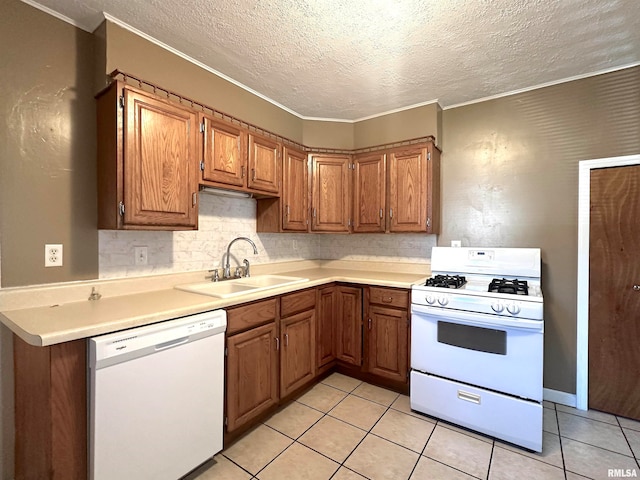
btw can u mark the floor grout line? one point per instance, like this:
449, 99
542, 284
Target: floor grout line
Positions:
435, 424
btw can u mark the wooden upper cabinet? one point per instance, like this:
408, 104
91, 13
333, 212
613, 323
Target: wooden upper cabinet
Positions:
369, 195
224, 153
264, 164
331, 193
147, 161
414, 193
295, 191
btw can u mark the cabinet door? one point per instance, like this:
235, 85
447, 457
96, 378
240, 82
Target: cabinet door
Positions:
160, 162
295, 192
331, 194
407, 190
264, 164
326, 326
224, 153
252, 374
297, 357
349, 325
388, 342
369, 193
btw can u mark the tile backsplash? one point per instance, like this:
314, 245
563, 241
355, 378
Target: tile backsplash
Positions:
221, 219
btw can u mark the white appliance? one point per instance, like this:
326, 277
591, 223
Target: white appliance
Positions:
477, 335
156, 398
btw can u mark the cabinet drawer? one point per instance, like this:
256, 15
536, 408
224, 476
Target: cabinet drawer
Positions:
249, 316
391, 297
297, 302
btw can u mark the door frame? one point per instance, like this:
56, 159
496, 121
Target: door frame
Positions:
582, 328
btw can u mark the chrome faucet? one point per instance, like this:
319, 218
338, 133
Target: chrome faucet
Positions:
227, 266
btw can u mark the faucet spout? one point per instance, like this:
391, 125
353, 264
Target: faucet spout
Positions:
227, 266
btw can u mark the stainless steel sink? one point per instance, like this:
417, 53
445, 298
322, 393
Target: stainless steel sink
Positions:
240, 286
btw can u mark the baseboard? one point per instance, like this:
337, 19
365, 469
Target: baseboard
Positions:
556, 396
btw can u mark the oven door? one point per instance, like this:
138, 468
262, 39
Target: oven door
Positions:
489, 351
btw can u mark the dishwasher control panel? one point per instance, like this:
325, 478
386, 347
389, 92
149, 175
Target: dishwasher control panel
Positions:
156, 337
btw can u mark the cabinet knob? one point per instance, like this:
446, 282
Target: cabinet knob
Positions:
636, 288
387, 299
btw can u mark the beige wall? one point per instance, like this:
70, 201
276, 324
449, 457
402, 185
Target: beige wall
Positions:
510, 178
317, 133
413, 123
47, 147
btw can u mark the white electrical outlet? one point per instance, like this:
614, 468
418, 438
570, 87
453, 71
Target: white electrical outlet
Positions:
141, 255
53, 255
456, 243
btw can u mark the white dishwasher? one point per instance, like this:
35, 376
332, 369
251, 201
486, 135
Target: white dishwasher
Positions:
156, 398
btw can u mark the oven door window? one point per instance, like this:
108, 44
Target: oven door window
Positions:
480, 339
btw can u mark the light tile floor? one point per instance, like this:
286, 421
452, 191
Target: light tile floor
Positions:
344, 429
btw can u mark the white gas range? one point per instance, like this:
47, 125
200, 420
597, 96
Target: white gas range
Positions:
477, 334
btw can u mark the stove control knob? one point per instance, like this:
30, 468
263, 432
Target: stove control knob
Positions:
443, 301
513, 309
497, 307
430, 300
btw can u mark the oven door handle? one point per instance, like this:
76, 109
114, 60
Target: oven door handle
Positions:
477, 319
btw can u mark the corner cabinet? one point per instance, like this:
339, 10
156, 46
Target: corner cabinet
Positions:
397, 190
331, 193
414, 189
369, 193
147, 161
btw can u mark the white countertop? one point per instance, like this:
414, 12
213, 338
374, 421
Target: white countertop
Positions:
50, 314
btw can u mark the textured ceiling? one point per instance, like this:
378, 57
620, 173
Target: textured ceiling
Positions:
350, 59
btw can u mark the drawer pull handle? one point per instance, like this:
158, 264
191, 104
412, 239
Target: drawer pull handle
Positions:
469, 397
387, 299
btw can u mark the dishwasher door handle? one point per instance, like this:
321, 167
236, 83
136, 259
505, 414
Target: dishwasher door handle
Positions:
171, 343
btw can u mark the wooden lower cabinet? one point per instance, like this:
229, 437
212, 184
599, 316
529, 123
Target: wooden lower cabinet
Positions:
252, 374
326, 326
297, 353
386, 335
349, 325
387, 341
50, 410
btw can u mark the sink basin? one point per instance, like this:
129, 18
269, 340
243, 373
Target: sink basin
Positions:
270, 280
240, 286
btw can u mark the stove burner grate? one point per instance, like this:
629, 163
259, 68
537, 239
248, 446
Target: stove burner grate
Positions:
513, 287
446, 281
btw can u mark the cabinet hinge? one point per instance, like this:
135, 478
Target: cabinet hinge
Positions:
226, 421
202, 127
121, 101
428, 222
428, 155
194, 199
202, 165
226, 351
121, 209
